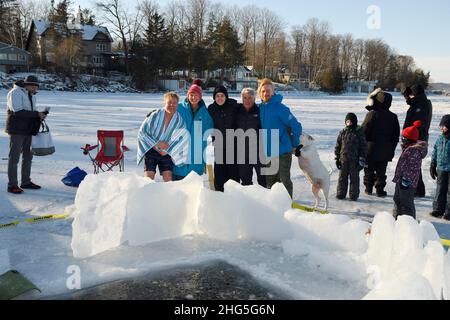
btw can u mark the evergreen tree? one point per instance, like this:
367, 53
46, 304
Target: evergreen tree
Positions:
87, 17
60, 13
332, 80
156, 41
226, 48
392, 80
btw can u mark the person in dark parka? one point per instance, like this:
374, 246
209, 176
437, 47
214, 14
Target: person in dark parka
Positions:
382, 130
223, 112
351, 153
440, 171
420, 109
248, 120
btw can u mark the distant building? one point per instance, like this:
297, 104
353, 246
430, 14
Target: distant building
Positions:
95, 46
173, 85
13, 59
288, 77
359, 86
243, 78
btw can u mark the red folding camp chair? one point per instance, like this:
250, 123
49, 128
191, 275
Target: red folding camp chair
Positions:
110, 151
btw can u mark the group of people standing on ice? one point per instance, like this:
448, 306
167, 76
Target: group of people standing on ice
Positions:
372, 146
174, 139
234, 158
369, 147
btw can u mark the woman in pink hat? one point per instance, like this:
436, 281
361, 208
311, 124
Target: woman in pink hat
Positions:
198, 121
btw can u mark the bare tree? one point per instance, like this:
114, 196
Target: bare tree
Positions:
135, 23
357, 59
271, 29
198, 11
254, 14
299, 43
31, 9
245, 29
125, 25
376, 55
176, 17
234, 13
347, 46
316, 39
148, 7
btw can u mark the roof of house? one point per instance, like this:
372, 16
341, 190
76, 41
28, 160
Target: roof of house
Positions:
88, 32
5, 46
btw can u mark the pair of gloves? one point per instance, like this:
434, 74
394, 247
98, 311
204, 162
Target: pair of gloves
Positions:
298, 151
361, 164
433, 170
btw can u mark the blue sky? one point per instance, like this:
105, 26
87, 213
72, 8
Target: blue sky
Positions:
417, 28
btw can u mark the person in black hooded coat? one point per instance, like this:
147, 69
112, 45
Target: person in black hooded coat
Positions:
382, 130
420, 108
223, 112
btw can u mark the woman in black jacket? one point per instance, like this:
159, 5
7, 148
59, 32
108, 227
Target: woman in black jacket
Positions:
223, 112
382, 131
248, 119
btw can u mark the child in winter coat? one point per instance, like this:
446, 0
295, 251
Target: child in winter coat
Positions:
351, 153
408, 171
440, 170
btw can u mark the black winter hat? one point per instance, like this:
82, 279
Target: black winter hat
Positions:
220, 89
417, 89
31, 81
445, 122
353, 118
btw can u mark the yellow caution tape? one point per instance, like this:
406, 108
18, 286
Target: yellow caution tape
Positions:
11, 224
308, 209
47, 217
35, 219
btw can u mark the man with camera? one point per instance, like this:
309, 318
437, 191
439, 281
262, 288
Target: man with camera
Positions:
22, 122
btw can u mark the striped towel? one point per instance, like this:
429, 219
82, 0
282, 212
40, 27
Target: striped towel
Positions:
152, 132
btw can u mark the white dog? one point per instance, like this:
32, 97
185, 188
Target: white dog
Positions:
314, 170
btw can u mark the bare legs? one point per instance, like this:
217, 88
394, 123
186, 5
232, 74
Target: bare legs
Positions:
167, 175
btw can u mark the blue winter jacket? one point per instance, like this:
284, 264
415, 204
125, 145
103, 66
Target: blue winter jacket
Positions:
275, 115
441, 153
197, 124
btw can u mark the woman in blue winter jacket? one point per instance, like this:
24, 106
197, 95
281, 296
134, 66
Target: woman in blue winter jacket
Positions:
198, 122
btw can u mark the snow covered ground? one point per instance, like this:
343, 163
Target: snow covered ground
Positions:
306, 256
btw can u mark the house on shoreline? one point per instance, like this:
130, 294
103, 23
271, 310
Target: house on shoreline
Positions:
13, 59
93, 45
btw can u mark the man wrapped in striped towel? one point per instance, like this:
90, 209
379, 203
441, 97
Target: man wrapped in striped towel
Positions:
163, 140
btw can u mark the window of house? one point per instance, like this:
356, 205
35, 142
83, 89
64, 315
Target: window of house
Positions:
12, 56
21, 57
3, 56
101, 47
97, 59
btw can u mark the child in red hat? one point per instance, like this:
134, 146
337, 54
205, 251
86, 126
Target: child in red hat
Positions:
408, 170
